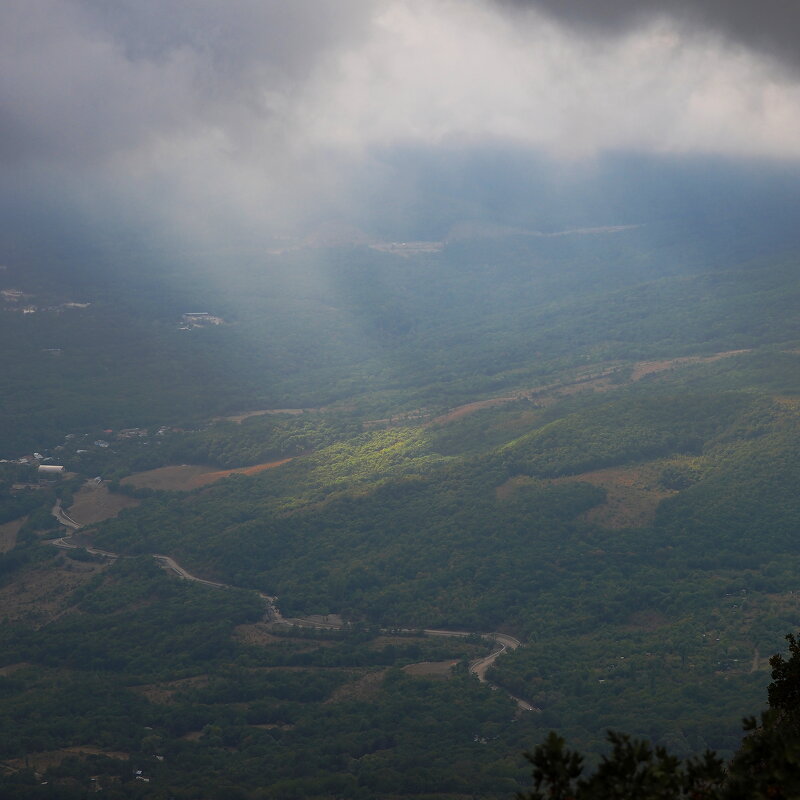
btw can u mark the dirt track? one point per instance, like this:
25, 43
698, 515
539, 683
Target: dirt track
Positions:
597, 381
185, 477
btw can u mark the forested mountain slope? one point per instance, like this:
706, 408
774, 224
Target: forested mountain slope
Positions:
588, 441
660, 627
360, 328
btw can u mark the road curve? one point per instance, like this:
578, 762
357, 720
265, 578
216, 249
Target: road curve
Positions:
65, 544
478, 667
64, 518
171, 565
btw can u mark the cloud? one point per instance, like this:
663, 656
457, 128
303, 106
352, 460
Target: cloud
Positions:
262, 112
769, 26
85, 79
459, 72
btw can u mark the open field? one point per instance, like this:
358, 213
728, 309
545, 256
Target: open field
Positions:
363, 689
94, 503
10, 669
163, 693
8, 533
431, 669
186, 477
37, 595
787, 401
255, 633
632, 493
170, 479
211, 477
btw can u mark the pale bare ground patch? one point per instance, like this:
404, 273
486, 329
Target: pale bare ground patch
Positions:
261, 634
367, 687
382, 641
601, 380
155, 694
760, 663
212, 477
403, 418
94, 503
264, 411
162, 693
185, 477
648, 620
550, 394
644, 368
284, 668
540, 395
271, 726
632, 494
175, 478
523, 421
52, 758
10, 669
255, 633
40, 594
505, 490
431, 669
293, 412
319, 620
595, 380
471, 408
756, 665
8, 533
791, 402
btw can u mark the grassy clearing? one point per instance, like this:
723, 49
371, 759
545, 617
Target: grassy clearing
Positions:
431, 669
8, 533
94, 503
37, 595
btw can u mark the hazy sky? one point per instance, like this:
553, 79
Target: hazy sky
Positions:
203, 111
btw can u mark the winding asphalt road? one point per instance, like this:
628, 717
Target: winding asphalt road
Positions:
64, 518
478, 667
